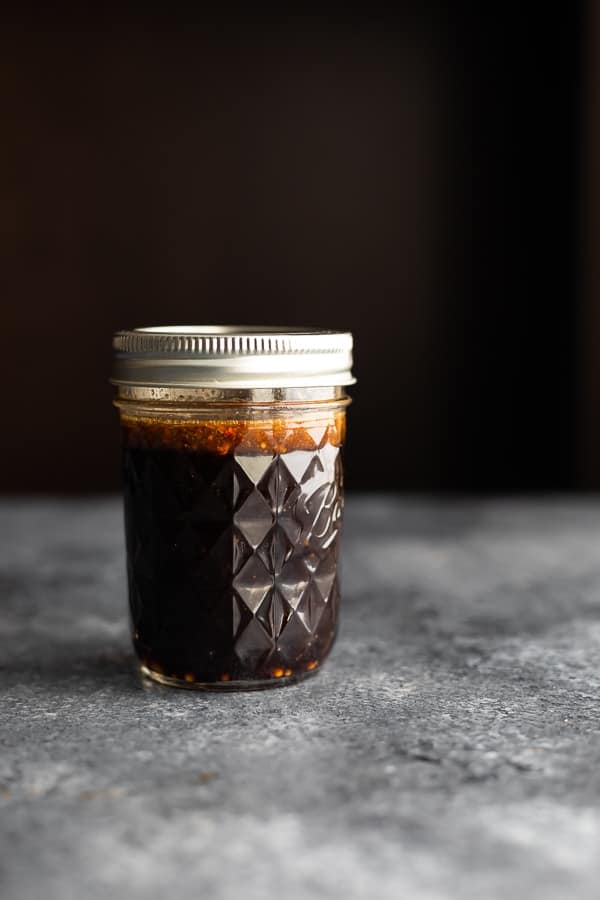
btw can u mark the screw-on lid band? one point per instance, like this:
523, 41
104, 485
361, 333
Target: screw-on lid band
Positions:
235, 356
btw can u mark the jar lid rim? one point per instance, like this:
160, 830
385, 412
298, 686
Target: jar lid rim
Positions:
232, 356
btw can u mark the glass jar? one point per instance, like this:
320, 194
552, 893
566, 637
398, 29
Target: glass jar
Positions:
233, 492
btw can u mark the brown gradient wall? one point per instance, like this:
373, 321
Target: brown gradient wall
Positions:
392, 176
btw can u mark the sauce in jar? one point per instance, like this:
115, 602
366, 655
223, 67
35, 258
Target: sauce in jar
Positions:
233, 514
233, 541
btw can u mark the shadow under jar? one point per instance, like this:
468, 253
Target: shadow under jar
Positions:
233, 489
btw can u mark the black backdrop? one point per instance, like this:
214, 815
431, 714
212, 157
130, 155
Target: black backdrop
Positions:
416, 179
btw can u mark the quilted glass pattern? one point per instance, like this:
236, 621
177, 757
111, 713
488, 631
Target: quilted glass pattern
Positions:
232, 560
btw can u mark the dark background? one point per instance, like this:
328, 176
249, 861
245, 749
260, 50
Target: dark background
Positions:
425, 180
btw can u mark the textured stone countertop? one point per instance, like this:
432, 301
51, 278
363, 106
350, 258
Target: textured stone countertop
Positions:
449, 749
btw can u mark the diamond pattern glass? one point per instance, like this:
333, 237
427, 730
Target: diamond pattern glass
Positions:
232, 559
298, 553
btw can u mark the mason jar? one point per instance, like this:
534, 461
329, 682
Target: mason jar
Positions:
233, 493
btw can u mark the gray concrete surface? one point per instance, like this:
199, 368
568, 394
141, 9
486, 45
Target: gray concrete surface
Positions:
450, 748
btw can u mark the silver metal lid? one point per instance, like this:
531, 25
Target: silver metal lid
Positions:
226, 356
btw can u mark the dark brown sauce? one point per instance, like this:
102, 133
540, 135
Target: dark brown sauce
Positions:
233, 533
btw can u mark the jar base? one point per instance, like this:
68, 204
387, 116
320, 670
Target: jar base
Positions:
225, 686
